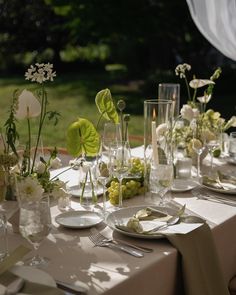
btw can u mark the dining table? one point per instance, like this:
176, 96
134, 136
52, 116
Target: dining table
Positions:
75, 260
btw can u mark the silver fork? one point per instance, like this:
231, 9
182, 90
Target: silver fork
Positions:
102, 238
205, 196
97, 241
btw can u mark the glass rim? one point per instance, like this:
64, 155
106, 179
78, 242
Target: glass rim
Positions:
158, 101
169, 84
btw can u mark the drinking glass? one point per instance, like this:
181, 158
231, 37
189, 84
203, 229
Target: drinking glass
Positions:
120, 163
35, 225
198, 147
103, 177
3, 236
232, 145
170, 91
161, 179
213, 145
111, 133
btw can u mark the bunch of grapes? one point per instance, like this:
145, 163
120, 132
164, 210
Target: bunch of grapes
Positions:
131, 186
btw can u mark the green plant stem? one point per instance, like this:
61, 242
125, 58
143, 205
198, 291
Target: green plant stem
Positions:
188, 90
41, 121
83, 188
29, 143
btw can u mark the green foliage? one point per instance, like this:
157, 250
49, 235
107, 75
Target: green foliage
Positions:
82, 139
106, 106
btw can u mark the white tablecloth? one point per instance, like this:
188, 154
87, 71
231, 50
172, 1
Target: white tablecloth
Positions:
73, 257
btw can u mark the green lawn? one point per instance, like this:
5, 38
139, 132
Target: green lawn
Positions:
73, 96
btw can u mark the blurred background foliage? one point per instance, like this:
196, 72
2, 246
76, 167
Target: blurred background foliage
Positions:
128, 45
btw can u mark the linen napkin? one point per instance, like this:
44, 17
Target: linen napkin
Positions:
29, 287
201, 269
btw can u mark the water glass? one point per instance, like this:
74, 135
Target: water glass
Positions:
170, 91
183, 168
232, 145
3, 236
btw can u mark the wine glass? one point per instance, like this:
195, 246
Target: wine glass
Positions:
35, 225
120, 163
103, 177
111, 133
198, 147
161, 179
213, 145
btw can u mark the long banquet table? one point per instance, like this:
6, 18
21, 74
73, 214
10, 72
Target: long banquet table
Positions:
74, 259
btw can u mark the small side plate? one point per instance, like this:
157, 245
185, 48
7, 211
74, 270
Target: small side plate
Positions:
78, 219
183, 185
75, 191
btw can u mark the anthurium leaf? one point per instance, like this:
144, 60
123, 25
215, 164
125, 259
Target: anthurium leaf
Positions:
106, 105
82, 138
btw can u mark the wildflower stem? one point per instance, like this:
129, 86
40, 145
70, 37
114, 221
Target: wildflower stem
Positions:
29, 143
188, 90
41, 120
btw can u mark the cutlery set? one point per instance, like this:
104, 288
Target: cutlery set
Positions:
202, 195
101, 241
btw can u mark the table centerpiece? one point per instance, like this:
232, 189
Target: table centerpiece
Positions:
195, 119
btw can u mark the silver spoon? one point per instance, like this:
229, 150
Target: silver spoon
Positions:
172, 221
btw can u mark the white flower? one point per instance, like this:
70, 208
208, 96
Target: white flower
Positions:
187, 112
30, 189
196, 113
28, 105
161, 130
40, 167
181, 69
55, 163
204, 99
197, 83
40, 73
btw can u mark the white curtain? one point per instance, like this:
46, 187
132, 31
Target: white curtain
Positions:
216, 20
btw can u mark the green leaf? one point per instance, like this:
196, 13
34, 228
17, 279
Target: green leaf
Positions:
82, 138
106, 106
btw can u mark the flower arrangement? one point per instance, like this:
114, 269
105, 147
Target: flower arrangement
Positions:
32, 172
196, 119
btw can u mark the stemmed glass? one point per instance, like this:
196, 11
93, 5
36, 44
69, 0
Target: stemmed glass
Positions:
103, 177
212, 145
120, 163
161, 179
111, 133
198, 147
35, 225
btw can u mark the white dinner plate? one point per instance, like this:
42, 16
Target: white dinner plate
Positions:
34, 275
75, 191
220, 190
123, 215
78, 219
183, 185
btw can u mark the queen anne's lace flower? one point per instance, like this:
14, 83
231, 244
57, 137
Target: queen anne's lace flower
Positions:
181, 69
40, 73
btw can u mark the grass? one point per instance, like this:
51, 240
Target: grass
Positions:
73, 96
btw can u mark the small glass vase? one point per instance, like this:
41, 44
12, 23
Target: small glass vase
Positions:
87, 182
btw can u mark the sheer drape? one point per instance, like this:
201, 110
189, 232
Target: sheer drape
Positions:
216, 20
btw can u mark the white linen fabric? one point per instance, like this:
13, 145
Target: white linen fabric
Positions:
216, 20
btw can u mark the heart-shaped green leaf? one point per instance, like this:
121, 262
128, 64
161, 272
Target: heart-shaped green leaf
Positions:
106, 105
82, 138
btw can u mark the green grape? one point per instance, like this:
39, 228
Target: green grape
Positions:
130, 187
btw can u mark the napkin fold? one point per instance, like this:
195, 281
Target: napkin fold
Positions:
201, 268
29, 287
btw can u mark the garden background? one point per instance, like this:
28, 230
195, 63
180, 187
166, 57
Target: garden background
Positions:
128, 46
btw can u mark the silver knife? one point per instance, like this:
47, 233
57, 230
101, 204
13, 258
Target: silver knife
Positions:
72, 288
